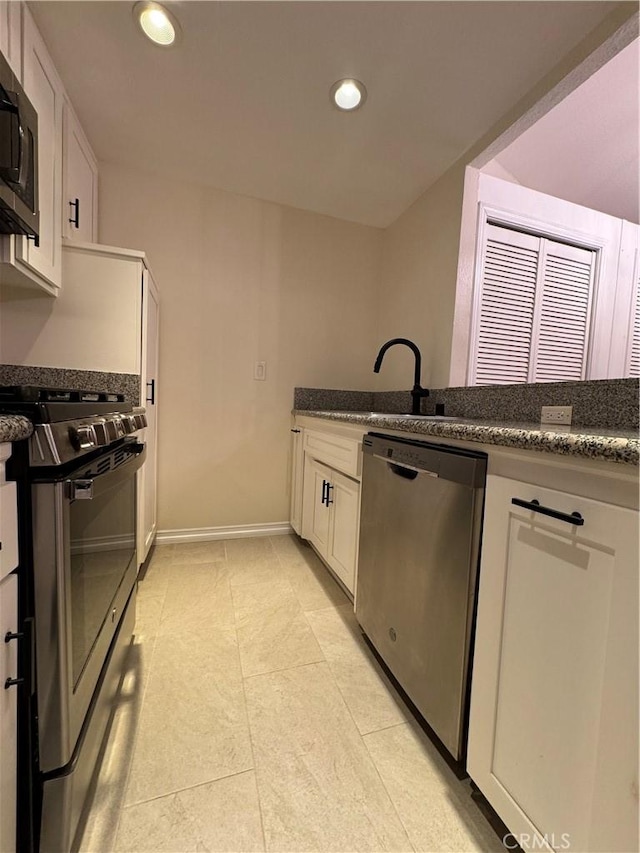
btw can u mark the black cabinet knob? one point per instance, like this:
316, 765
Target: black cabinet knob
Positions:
13, 635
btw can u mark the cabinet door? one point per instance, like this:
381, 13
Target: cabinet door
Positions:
44, 89
8, 714
297, 472
343, 535
149, 396
316, 514
553, 737
10, 35
8, 528
80, 182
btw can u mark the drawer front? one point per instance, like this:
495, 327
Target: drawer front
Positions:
342, 454
8, 529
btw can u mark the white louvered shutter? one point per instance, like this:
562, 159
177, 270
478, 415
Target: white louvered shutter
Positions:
562, 322
533, 312
507, 300
634, 350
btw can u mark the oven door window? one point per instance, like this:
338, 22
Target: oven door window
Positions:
102, 543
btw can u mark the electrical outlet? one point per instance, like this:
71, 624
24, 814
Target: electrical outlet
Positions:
260, 370
556, 415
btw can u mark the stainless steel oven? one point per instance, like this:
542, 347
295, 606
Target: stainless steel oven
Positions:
76, 483
85, 568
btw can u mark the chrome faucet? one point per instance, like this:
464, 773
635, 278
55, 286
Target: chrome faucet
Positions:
417, 392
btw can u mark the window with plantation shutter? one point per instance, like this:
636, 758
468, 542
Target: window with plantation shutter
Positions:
634, 349
510, 266
565, 302
533, 309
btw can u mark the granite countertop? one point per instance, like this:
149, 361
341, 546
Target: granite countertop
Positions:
14, 428
621, 446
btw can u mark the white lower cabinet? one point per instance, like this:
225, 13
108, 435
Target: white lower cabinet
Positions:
331, 517
553, 737
8, 657
8, 713
297, 478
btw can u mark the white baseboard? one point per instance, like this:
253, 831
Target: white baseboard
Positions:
238, 531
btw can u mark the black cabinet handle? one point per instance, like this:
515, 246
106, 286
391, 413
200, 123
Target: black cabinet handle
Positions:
329, 486
11, 682
295, 430
13, 635
324, 490
535, 506
75, 219
152, 398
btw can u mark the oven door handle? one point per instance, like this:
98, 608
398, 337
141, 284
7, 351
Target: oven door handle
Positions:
84, 488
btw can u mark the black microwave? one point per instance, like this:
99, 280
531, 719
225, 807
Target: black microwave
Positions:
18, 158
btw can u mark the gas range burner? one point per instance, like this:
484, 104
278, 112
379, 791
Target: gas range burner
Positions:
68, 423
51, 405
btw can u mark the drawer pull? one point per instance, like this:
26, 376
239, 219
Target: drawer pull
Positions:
536, 506
75, 219
13, 635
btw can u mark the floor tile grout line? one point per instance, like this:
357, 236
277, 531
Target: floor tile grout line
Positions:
286, 668
386, 728
188, 788
388, 792
246, 713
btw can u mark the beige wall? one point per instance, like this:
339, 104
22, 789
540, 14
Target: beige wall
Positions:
241, 280
417, 299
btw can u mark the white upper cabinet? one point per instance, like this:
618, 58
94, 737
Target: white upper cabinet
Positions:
80, 182
45, 91
10, 35
67, 167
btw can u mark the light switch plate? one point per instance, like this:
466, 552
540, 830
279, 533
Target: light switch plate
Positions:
556, 415
260, 370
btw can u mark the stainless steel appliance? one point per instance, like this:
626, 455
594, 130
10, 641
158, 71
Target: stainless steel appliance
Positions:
419, 545
77, 523
18, 158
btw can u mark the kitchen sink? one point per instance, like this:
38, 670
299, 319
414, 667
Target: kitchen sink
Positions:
413, 417
396, 416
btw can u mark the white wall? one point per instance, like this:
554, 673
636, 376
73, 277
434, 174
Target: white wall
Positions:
241, 280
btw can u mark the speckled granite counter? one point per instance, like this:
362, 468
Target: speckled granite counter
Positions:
14, 428
621, 446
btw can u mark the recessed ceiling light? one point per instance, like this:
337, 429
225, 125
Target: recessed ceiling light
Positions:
157, 23
348, 94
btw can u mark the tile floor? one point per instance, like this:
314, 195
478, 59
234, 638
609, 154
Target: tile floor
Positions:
254, 717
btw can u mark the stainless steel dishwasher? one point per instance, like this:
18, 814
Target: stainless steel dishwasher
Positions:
420, 532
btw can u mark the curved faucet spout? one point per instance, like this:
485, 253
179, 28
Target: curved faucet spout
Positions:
417, 391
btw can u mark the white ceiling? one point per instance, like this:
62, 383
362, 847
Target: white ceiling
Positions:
586, 150
242, 104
